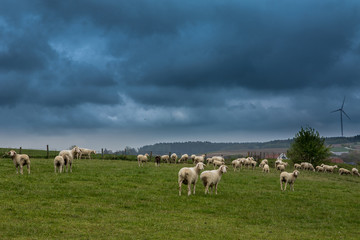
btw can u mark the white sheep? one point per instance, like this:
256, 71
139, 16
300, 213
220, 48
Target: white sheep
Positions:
277, 162
142, 158
236, 163
319, 169
193, 156
20, 160
280, 167
297, 166
212, 178
198, 159
173, 157
266, 168
307, 166
165, 158
59, 162
328, 168
218, 158
217, 163
263, 162
354, 171
344, 171
288, 178
86, 152
209, 161
188, 176
183, 158
69, 156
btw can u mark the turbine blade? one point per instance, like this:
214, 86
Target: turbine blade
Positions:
346, 114
343, 103
335, 111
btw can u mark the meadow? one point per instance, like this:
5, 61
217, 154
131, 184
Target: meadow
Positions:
113, 199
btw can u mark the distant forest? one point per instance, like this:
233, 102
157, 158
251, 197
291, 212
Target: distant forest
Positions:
206, 147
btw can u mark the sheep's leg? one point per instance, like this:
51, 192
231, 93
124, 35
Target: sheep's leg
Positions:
194, 187
216, 188
54, 168
17, 169
281, 185
180, 183
285, 185
21, 169
28, 168
189, 189
70, 167
207, 188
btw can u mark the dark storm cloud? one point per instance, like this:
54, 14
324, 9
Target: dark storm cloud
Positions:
228, 66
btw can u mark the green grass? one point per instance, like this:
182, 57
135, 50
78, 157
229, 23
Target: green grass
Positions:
108, 199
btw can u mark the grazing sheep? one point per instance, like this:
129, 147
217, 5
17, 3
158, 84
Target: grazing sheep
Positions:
173, 157
198, 159
20, 160
266, 168
344, 171
209, 161
212, 178
307, 166
297, 166
218, 158
354, 171
263, 162
165, 158
142, 158
242, 162
328, 168
59, 162
236, 163
188, 176
184, 158
86, 152
280, 167
193, 156
157, 160
288, 178
253, 164
217, 163
277, 162
69, 156
319, 169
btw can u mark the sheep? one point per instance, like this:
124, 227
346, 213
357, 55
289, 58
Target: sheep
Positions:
165, 158
242, 162
307, 166
354, 171
319, 169
236, 163
330, 168
297, 166
266, 168
19, 161
344, 171
69, 156
86, 152
173, 157
157, 160
59, 162
212, 178
142, 158
217, 163
280, 167
198, 159
184, 158
209, 161
277, 162
193, 156
288, 178
188, 176
263, 162
218, 158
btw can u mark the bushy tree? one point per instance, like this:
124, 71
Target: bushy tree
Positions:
308, 146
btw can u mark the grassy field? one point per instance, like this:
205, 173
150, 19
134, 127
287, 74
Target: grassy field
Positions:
112, 199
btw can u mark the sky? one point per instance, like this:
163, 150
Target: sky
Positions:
111, 73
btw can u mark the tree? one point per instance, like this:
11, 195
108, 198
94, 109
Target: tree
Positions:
308, 146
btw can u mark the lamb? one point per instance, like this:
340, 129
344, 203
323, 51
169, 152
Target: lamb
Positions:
86, 152
236, 163
288, 178
142, 158
297, 166
59, 162
217, 163
69, 156
157, 160
173, 157
319, 169
165, 158
212, 178
344, 171
280, 167
20, 160
354, 171
330, 168
266, 168
188, 176
263, 162
184, 158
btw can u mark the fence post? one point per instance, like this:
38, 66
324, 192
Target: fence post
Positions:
47, 151
20, 150
102, 153
169, 157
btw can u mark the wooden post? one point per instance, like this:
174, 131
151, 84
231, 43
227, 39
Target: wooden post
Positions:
47, 151
20, 150
102, 153
169, 157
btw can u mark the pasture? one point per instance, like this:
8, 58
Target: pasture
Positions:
112, 199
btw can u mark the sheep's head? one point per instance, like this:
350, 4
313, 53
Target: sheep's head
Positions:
94, 152
335, 166
200, 165
76, 149
296, 173
223, 168
147, 155
11, 153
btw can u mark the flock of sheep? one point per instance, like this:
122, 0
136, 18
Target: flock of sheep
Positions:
64, 159
189, 175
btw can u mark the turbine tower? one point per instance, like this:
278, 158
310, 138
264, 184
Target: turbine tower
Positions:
341, 110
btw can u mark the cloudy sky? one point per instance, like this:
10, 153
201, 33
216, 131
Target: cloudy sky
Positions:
113, 73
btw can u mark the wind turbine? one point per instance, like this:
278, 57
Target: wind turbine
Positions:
341, 110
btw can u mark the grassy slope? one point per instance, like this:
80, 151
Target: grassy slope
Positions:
118, 200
